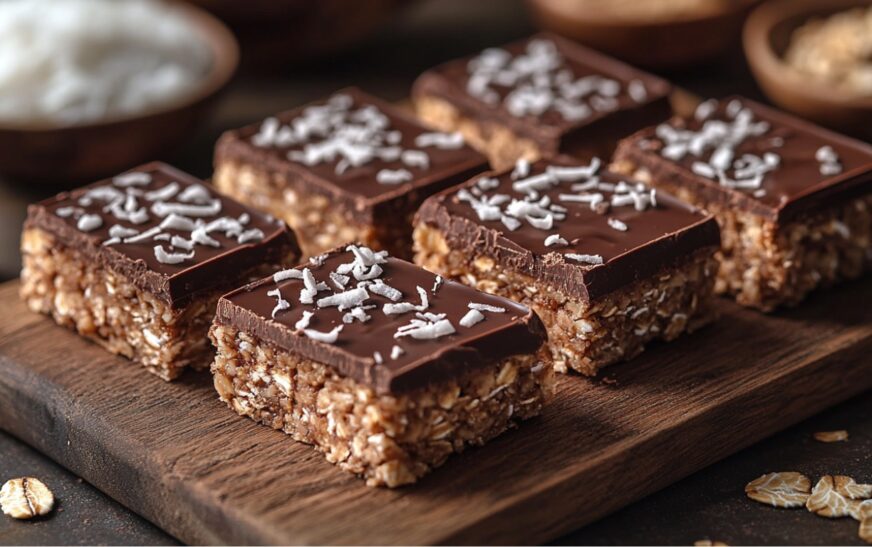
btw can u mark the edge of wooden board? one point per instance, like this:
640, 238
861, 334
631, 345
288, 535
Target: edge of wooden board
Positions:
605, 449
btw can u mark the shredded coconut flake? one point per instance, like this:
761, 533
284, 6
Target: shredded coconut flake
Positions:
617, 225
585, 259
344, 300
471, 318
383, 289
281, 303
133, 178
171, 258
393, 176
436, 284
486, 307
284, 275
396, 351
555, 240
426, 330
303, 322
326, 337
405, 307
88, 223
446, 141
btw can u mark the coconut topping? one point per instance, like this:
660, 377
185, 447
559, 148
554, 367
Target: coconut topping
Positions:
713, 148
194, 212
582, 185
348, 136
539, 80
360, 299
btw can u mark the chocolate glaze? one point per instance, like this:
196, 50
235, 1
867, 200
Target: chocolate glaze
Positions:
656, 238
356, 190
794, 187
176, 284
424, 362
551, 131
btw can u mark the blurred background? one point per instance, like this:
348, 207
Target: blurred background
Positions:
91, 87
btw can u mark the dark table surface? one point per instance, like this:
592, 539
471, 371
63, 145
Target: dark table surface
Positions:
710, 504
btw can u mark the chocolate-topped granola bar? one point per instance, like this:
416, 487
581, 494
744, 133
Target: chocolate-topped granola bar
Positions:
347, 168
794, 200
386, 368
136, 263
607, 263
538, 97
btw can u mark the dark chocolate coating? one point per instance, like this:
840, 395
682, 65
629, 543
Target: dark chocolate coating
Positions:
356, 191
794, 187
175, 284
424, 362
551, 131
656, 238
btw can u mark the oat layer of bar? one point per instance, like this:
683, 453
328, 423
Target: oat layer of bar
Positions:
794, 201
382, 366
348, 168
538, 97
137, 263
608, 265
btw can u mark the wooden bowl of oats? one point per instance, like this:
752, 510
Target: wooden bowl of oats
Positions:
812, 57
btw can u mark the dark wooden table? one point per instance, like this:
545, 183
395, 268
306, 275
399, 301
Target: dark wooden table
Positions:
710, 504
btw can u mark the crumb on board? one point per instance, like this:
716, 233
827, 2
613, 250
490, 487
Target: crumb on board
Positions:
831, 436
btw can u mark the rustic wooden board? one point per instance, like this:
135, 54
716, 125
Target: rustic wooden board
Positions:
175, 454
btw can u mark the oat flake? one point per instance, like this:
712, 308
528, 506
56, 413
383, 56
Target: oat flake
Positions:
783, 489
831, 436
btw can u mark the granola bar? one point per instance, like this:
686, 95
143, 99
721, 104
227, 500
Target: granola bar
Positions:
538, 97
609, 265
384, 367
347, 168
137, 263
794, 201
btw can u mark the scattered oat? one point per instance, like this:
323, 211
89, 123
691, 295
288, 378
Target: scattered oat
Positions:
847, 487
26, 498
866, 529
863, 513
831, 436
783, 489
826, 501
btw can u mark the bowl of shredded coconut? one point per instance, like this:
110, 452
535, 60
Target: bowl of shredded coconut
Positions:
90, 87
814, 58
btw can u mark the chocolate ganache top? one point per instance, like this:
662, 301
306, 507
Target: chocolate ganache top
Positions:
582, 229
741, 152
356, 145
543, 86
380, 320
166, 231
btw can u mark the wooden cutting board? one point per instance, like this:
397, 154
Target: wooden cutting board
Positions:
179, 457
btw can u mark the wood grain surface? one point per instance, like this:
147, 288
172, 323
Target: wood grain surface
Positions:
175, 454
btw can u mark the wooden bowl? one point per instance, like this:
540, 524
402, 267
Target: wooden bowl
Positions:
276, 33
69, 154
766, 37
679, 42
